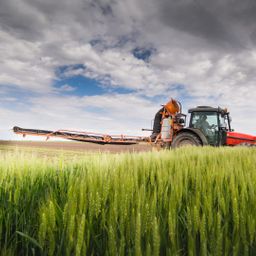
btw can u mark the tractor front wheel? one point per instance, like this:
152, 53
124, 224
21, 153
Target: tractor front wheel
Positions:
186, 139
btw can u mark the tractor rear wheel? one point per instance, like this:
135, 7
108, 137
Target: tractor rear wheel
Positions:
186, 139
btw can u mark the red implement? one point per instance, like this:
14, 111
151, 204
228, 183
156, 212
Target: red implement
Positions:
235, 138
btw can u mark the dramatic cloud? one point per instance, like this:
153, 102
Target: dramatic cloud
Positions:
114, 62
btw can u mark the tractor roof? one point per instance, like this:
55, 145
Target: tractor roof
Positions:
207, 109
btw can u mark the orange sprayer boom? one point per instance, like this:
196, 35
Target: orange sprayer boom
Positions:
91, 137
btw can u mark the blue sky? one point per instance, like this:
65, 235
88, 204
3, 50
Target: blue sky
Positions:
108, 66
81, 85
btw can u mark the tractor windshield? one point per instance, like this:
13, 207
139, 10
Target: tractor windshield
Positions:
207, 122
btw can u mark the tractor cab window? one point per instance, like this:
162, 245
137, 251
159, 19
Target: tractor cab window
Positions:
225, 120
207, 122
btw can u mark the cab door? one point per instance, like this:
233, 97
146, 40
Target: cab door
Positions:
224, 126
208, 123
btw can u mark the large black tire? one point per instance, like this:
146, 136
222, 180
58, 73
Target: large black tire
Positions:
186, 139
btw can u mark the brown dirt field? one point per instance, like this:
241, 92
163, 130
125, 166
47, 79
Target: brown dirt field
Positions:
75, 146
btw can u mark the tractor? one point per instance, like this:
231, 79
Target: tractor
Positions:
207, 126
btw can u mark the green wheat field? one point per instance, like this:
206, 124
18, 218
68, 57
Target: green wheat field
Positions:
191, 201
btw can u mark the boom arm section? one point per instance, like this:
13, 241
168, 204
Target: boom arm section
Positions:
91, 137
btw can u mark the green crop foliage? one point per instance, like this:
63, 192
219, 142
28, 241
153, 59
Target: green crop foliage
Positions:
191, 201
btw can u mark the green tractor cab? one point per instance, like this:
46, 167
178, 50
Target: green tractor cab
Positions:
213, 122
207, 126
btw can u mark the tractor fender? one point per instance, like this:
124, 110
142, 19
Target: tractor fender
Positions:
196, 132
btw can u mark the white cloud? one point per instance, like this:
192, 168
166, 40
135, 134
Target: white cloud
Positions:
111, 113
21, 65
66, 88
213, 59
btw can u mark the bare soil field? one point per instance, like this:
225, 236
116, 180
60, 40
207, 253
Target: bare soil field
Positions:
74, 146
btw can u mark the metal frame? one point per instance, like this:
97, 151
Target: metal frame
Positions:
91, 137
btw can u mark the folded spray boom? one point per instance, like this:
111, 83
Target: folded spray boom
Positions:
91, 137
